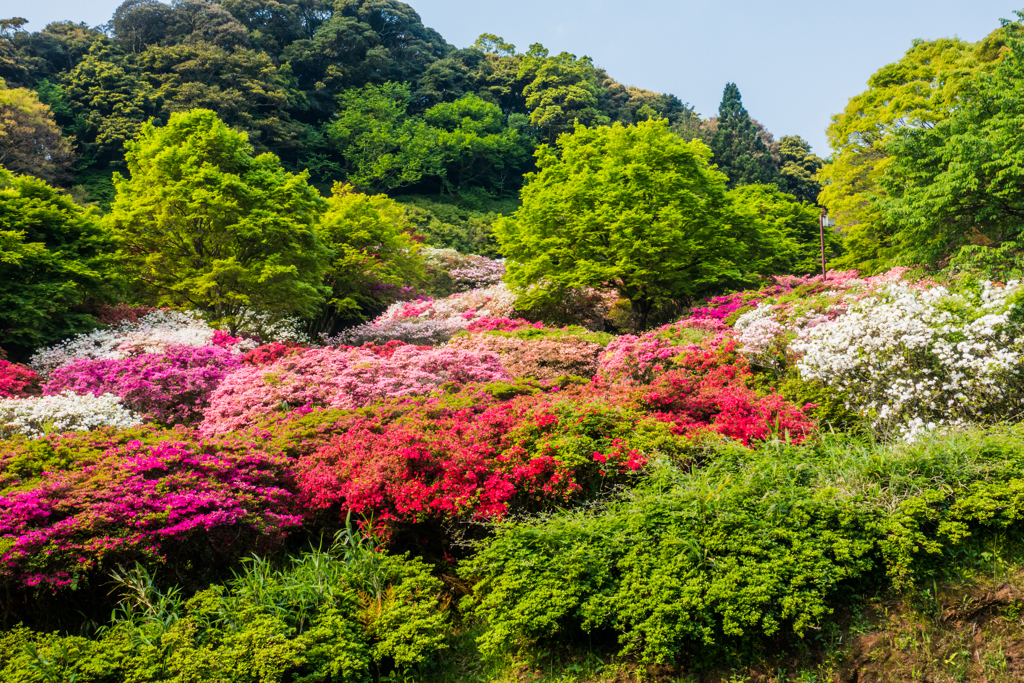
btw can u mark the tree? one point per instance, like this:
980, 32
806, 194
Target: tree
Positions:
799, 169
138, 23
961, 181
738, 150
383, 147
562, 90
54, 256
918, 91
208, 225
631, 208
476, 146
374, 256
30, 141
787, 230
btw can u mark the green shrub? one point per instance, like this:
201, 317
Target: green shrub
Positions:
754, 547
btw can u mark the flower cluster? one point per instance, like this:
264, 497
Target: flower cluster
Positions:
153, 333
128, 500
170, 387
341, 378
431, 321
17, 381
911, 359
465, 271
501, 325
66, 412
631, 359
542, 358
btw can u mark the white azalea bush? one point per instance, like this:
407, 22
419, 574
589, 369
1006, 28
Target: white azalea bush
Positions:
910, 359
65, 412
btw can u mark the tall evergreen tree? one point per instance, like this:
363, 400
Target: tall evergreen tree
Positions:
739, 152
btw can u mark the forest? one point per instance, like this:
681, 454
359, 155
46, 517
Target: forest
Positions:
333, 352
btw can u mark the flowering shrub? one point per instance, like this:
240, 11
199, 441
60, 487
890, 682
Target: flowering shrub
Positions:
146, 495
121, 313
475, 453
501, 325
268, 353
66, 412
171, 387
17, 381
451, 271
542, 358
911, 359
341, 378
431, 321
153, 333
632, 359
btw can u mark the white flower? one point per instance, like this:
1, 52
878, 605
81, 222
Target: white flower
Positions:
66, 412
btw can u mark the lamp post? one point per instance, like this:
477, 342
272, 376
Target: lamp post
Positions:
824, 222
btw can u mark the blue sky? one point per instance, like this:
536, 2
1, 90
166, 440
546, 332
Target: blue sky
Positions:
796, 62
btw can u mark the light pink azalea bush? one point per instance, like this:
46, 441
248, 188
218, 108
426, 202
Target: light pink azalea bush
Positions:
340, 378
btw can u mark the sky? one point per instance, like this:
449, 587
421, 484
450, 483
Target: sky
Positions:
796, 62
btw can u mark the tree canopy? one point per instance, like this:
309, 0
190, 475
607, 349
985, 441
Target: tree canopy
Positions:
54, 257
738, 149
208, 225
635, 209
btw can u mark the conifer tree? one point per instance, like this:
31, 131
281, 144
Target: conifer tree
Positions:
739, 152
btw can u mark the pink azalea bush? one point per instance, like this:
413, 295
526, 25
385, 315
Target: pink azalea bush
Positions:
171, 387
341, 378
116, 497
630, 359
501, 325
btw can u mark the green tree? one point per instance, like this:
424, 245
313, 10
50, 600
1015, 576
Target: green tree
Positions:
631, 208
562, 90
375, 256
30, 141
738, 150
961, 182
787, 230
54, 256
799, 169
476, 145
383, 147
208, 225
918, 91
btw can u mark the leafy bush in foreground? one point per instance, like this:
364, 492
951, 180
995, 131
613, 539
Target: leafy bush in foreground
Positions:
691, 566
319, 617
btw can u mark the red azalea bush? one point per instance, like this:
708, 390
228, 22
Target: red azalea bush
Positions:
445, 458
268, 353
345, 377
17, 381
74, 504
632, 359
107, 314
171, 387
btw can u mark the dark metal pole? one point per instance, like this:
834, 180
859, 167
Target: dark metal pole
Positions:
821, 228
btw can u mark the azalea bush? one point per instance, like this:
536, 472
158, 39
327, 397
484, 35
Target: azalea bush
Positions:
912, 359
65, 412
344, 377
449, 271
17, 381
153, 333
431, 321
71, 505
478, 452
632, 359
170, 387
537, 357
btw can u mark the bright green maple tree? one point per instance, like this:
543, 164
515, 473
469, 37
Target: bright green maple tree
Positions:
54, 256
635, 209
209, 226
960, 183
